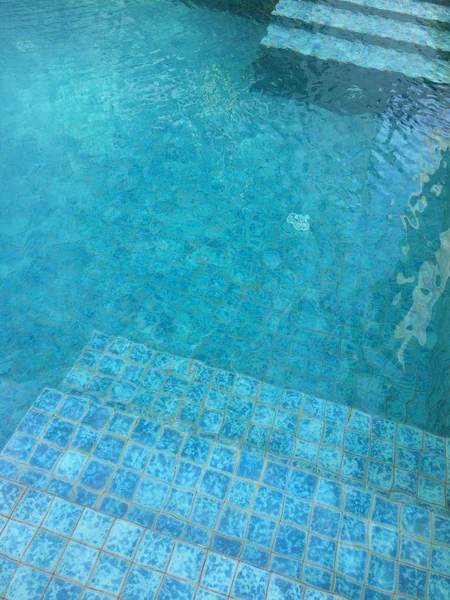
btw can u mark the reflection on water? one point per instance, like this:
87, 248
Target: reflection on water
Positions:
145, 193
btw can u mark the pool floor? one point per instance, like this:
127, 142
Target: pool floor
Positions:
146, 191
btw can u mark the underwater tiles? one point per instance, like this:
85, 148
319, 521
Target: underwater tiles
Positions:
336, 441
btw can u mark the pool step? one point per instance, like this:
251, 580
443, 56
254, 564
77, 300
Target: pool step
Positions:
417, 9
93, 498
326, 438
351, 22
304, 42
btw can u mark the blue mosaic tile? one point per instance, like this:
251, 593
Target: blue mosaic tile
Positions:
233, 522
15, 538
412, 581
113, 506
73, 408
96, 475
325, 521
414, 551
268, 502
45, 550
59, 432
109, 573
141, 584
19, 447
170, 525
438, 587
284, 589
250, 582
321, 551
381, 574
386, 512
59, 588
196, 450
154, 550
92, 528
32, 507
205, 511
384, 541
174, 588
241, 493
27, 583
318, 577
70, 465
303, 485
416, 521
44, 457
33, 423
227, 546
354, 531
123, 539
9, 494
62, 517
215, 484
77, 562
290, 541
186, 562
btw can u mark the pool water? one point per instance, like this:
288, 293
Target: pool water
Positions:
146, 185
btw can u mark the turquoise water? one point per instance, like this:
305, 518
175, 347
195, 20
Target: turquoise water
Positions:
146, 186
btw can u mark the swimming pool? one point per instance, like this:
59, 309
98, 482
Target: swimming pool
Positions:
147, 181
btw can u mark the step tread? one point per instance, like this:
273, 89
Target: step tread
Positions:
162, 510
370, 24
286, 424
412, 8
327, 47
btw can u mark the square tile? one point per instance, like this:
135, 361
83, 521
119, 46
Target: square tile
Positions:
124, 483
196, 449
44, 457
109, 448
32, 507
141, 584
329, 493
290, 541
310, 429
174, 588
318, 577
93, 528
109, 573
218, 573
170, 525
186, 561
205, 511
439, 587
62, 517
15, 538
114, 507
45, 550
358, 502
241, 493
77, 562
197, 535
33, 423
70, 465
285, 566
281, 588
215, 484
440, 559
123, 539
250, 582
27, 584
161, 466
9, 494
381, 574
261, 531
145, 432
7, 569
384, 541
59, 588
276, 475
225, 545
321, 551
171, 441
233, 522
354, 531
416, 521
303, 485
96, 475
412, 581
325, 521
385, 512
73, 408
414, 551
84, 439
179, 502
122, 424
135, 457
59, 432
268, 502
255, 556
188, 475
154, 550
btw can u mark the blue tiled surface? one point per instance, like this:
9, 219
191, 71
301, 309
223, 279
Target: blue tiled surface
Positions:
335, 441
147, 510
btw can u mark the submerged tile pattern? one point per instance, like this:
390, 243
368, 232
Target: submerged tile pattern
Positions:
98, 502
401, 462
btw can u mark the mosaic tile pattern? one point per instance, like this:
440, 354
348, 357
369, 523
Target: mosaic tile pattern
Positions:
422, 10
99, 499
395, 460
208, 519
355, 52
363, 23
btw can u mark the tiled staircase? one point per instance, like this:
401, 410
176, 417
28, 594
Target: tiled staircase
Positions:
411, 37
152, 476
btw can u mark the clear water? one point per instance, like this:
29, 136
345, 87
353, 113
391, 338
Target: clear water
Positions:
145, 191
